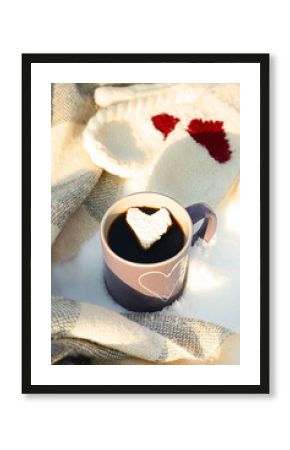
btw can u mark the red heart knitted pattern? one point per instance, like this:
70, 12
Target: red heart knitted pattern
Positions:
165, 123
212, 136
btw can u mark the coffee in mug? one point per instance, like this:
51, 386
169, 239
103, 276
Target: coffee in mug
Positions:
124, 242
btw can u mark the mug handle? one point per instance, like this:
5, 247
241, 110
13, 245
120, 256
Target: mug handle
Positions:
200, 211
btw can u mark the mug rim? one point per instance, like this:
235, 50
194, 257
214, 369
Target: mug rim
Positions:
132, 263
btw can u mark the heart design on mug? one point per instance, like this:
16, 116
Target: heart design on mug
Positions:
163, 285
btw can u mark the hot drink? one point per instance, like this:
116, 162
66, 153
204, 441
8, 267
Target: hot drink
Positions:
124, 242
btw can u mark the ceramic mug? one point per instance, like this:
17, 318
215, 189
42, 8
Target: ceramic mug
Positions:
151, 287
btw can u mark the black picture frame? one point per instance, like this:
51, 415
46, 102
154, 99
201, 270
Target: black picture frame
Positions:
263, 61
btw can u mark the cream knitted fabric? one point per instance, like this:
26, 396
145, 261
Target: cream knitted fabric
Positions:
122, 138
194, 158
91, 334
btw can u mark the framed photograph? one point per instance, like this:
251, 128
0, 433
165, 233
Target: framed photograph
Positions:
145, 223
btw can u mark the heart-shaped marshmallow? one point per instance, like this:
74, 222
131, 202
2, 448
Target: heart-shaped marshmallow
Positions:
148, 228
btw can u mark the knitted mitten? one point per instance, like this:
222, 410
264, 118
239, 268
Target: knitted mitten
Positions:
184, 138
